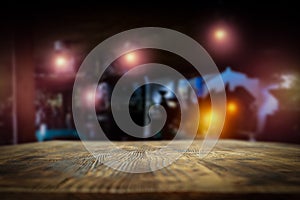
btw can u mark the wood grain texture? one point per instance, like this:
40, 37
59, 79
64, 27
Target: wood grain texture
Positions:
66, 170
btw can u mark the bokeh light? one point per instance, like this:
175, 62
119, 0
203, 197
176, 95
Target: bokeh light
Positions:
220, 34
89, 98
60, 62
231, 107
131, 58
223, 39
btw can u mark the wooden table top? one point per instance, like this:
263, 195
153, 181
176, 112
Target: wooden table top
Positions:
234, 170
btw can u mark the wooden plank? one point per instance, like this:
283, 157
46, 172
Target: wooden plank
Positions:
234, 170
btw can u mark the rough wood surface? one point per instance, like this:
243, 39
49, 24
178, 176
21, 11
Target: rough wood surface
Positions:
234, 170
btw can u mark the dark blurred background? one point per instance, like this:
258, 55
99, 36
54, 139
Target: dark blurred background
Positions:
255, 46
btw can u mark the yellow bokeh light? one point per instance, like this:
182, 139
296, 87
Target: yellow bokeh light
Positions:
209, 117
231, 107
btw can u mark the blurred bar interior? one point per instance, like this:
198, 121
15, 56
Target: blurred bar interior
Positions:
41, 51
